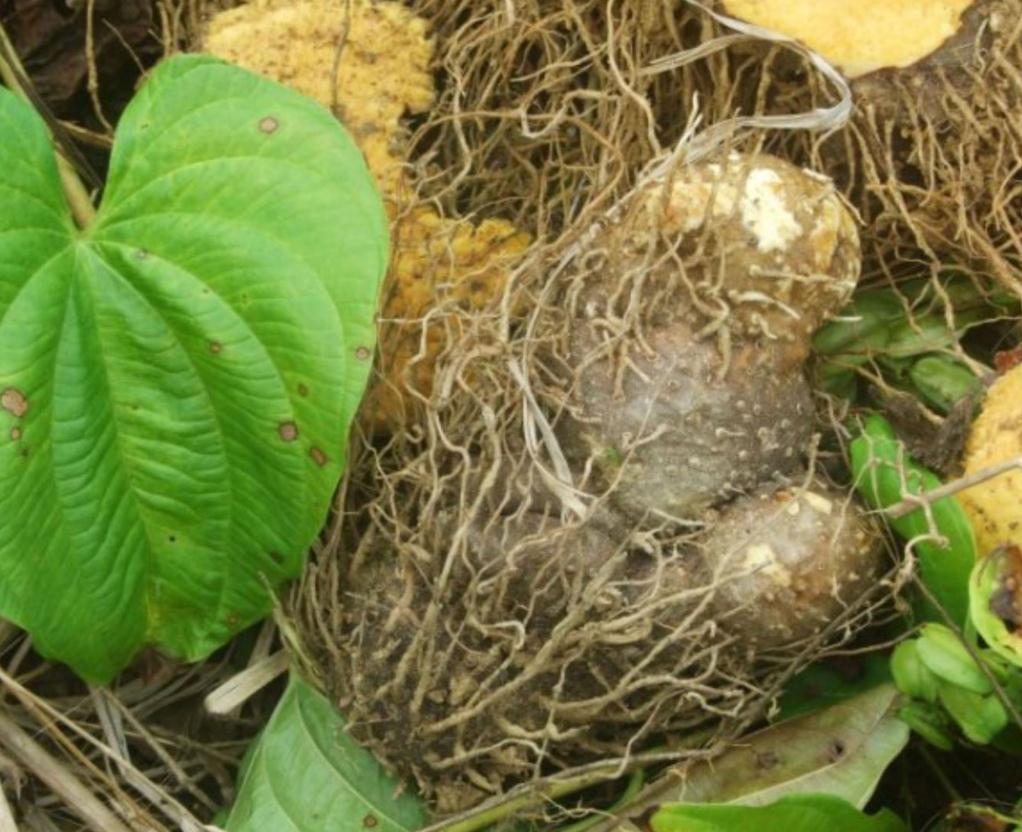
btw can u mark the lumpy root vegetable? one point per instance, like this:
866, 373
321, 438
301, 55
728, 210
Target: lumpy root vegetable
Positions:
765, 549
683, 428
502, 595
736, 262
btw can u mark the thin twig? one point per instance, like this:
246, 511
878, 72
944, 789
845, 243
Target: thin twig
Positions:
93, 72
335, 70
244, 685
914, 501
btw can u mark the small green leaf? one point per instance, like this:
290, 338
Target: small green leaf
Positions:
884, 474
305, 774
919, 335
981, 718
943, 653
862, 327
178, 378
802, 813
911, 675
930, 722
942, 381
990, 583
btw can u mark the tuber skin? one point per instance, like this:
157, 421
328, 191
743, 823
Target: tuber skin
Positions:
679, 437
671, 421
930, 155
788, 562
765, 250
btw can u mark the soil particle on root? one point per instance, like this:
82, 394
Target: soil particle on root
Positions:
557, 643
556, 637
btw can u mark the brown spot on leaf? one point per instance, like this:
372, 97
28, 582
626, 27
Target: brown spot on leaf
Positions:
369, 821
318, 456
303, 390
15, 434
141, 254
288, 431
766, 759
835, 750
216, 347
269, 124
14, 402
233, 620
363, 353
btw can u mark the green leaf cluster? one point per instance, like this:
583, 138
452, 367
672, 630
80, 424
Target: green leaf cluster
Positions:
950, 687
908, 336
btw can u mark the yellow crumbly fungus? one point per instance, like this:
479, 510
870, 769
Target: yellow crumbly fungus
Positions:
437, 264
859, 36
995, 506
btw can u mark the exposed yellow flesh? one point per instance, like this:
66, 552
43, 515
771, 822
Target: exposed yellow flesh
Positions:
859, 36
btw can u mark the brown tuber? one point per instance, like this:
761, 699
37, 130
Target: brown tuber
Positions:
788, 562
686, 429
537, 574
751, 251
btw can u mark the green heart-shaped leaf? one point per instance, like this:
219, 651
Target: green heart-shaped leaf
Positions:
177, 380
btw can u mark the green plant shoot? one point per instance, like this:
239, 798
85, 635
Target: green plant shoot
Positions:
884, 475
